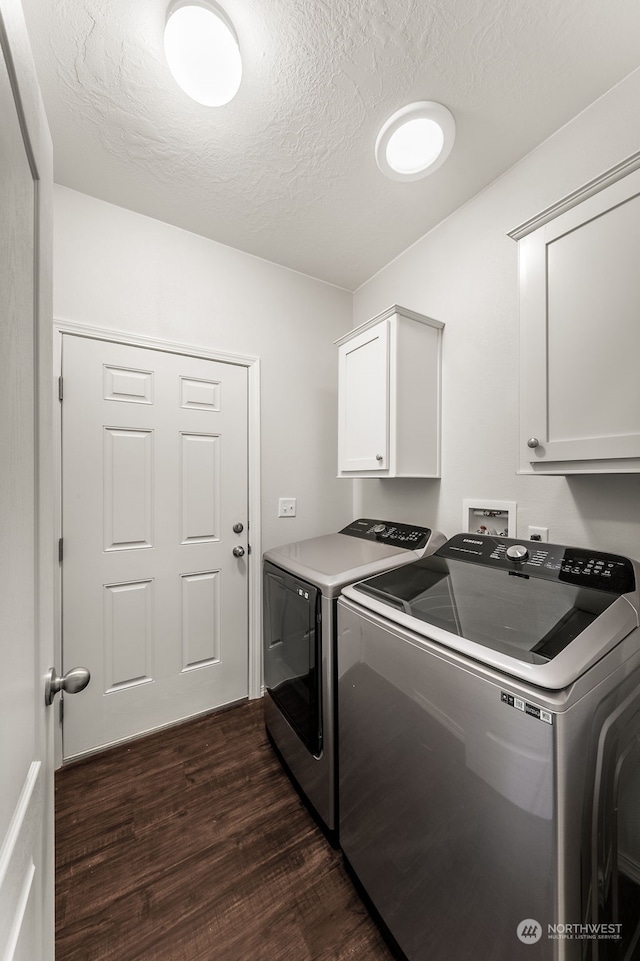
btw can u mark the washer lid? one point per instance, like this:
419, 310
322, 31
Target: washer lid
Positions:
546, 619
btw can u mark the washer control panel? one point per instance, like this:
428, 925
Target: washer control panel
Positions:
570, 565
410, 536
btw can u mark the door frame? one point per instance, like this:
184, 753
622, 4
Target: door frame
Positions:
252, 364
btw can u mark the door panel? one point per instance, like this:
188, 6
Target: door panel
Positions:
579, 337
26, 612
363, 440
154, 455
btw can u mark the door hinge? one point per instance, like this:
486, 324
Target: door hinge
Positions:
60, 551
60, 388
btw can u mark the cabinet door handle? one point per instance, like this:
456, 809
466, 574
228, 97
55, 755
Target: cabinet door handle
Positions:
379, 456
533, 442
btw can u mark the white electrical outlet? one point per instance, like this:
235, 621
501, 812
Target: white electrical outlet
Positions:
538, 533
286, 507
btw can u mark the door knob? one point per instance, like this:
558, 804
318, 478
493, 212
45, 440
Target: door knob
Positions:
533, 442
72, 682
238, 551
238, 528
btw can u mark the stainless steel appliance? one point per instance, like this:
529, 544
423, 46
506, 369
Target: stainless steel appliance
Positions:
302, 582
489, 707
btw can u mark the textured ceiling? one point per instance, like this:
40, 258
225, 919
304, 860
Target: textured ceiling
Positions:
286, 170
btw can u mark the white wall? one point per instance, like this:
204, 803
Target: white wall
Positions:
119, 270
465, 273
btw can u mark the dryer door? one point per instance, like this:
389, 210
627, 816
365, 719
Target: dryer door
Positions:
291, 635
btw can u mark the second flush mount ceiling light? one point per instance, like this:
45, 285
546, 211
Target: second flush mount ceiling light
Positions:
201, 47
415, 141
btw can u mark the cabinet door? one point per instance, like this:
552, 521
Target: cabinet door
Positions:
363, 434
580, 335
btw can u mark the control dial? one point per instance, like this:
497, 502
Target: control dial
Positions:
517, 552
378, 528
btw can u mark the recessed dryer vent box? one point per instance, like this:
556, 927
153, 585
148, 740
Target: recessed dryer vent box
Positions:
489, 517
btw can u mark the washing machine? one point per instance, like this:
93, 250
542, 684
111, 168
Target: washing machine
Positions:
301, 584
489, 707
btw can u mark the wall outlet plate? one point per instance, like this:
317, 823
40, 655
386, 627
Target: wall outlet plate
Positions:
538, 533
286, 507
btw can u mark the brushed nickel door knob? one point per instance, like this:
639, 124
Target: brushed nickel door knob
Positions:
72, 682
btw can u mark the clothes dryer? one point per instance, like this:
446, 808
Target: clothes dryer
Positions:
302, 582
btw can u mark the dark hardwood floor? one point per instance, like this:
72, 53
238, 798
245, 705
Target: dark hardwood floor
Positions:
192, 845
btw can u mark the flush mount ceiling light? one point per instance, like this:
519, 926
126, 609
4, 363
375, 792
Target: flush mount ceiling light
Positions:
415, 141
202, 51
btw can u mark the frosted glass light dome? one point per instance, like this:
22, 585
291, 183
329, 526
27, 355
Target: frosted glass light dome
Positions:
415, 141
202, 51
415, 145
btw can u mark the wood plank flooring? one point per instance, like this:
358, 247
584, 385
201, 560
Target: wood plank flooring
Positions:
192, 845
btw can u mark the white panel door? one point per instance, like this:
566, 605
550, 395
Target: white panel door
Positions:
155, 604
26, 542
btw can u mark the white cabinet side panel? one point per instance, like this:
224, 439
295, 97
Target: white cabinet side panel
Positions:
417, 399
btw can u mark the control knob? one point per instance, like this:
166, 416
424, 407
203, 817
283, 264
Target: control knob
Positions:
378, 528
517, 552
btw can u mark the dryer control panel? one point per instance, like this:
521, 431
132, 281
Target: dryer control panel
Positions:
388, 532
580, 567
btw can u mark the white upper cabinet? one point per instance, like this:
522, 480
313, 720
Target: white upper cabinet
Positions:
580, 331
389, 397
